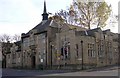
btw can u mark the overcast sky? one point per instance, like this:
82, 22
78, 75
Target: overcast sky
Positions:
19, 16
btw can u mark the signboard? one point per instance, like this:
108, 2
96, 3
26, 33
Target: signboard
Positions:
41, 60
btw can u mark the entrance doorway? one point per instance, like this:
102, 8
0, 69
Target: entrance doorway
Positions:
33, 62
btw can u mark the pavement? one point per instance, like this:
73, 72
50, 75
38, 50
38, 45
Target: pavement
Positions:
103, 68
98, 73
105, 71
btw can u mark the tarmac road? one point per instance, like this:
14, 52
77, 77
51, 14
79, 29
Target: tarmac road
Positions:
107, 72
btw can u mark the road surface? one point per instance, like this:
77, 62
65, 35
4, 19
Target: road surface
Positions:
36, 73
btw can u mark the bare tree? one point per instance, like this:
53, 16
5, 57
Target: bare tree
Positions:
8, 38
16, 37
5, 38
64, 14
6, 45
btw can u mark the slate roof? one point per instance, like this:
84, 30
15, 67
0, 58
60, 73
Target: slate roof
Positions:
90, 32
105, 31
41, 27
80, 33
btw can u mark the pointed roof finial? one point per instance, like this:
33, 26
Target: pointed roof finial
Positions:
45, 14
45, 11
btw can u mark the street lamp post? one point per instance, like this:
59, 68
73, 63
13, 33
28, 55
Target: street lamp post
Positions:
82, 53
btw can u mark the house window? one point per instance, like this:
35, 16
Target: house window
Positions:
32, 41
26, 42
13, 58
88, 52
100, 50
62, 51
65, 50
42, 38
91, 51
77, 50
88, 45
14, 55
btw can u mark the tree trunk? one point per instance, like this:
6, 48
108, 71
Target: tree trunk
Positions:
98, 23
89, 25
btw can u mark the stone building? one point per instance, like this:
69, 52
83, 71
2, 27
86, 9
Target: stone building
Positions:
36, 43
84, 48
54, 45
5, 50
14, 57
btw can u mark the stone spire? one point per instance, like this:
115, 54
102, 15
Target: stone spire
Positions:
45, 14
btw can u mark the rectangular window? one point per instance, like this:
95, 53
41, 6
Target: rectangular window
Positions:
14, 55
88, 52
32, 41
91, 53
88, 46
94, 54
91, 50
77, 50
42, 38
25, 42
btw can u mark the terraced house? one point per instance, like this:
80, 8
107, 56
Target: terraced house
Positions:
53, 45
